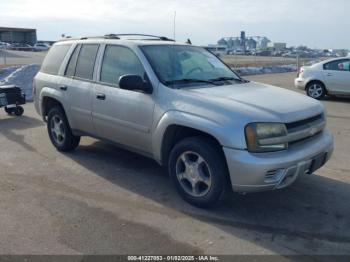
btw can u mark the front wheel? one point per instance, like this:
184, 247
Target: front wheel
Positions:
316, 90
59, 131
197, 168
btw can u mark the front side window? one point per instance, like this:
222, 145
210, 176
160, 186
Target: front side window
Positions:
54, 59
86, 61
176, 63
119, 61
339, 65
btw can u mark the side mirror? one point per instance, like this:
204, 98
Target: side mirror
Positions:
135, 82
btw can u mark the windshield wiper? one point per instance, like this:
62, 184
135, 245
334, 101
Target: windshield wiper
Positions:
224, 78
190, 80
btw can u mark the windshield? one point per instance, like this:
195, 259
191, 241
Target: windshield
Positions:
181, 64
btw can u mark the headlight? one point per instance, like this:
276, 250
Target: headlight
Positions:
266, 137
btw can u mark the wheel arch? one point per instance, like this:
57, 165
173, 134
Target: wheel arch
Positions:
177, 124
316, 81
176, 132
49, 97
49, 102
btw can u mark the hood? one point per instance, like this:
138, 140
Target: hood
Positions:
262, 102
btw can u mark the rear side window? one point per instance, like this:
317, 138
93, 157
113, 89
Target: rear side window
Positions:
86, 61
338, 65
118, 61
54, 59
70, 70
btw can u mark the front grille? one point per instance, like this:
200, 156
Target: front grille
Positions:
305, 129
307, 139
304, 121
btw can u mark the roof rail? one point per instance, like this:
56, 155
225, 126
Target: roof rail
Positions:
85, 38
118, 36
98, 37
162, 38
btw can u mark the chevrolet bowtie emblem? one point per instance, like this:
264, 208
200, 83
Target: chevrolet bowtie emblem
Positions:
313, 131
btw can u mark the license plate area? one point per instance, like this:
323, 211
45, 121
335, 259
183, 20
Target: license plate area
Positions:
317, 162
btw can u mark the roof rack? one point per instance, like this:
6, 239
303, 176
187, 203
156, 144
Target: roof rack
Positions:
118, 36
162, 38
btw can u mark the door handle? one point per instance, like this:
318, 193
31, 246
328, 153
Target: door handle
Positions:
63, 88
101, 96
329, 74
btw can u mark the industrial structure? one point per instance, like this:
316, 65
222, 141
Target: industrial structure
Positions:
18, 35
275, 46
244, 44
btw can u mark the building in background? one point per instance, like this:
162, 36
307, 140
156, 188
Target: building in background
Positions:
277, 46
18, 35
217, 50
244, 43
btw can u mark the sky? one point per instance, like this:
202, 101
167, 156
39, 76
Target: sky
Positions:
315, 23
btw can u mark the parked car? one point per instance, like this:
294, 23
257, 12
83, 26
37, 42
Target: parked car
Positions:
239, 52
4, 45
41, 47
182, 106
21, 47
330, 77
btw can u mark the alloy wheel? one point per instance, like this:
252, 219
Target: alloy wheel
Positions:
57, 129
193, 173
315, 91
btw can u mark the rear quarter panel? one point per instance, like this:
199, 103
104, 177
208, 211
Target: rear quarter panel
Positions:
313, 74
48, 86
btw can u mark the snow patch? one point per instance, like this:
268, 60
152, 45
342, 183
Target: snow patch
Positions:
7, 71
21, 76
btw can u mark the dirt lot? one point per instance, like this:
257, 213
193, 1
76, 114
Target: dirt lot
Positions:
236, 61
20, 58
103, 200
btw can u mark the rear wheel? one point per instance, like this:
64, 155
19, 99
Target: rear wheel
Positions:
19, 111
197, 168
316, 90
60, 132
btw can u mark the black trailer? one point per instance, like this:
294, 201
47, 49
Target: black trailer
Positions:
12, 97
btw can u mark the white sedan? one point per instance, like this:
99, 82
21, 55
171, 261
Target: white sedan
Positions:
41, 47
330, 77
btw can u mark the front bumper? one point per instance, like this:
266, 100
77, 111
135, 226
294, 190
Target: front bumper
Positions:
251, 172
300, 83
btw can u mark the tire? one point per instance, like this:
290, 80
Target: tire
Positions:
212, 177
316, 90
9, 111
19, 111
59, 131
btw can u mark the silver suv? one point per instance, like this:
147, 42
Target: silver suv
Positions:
182, 106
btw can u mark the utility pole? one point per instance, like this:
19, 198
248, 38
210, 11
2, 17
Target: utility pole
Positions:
174, 29
298, 63
4, 55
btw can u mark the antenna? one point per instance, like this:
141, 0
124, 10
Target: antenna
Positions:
174, 26
174, 36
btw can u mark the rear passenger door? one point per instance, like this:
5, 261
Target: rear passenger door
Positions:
79, 87
337, 76
122, 116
